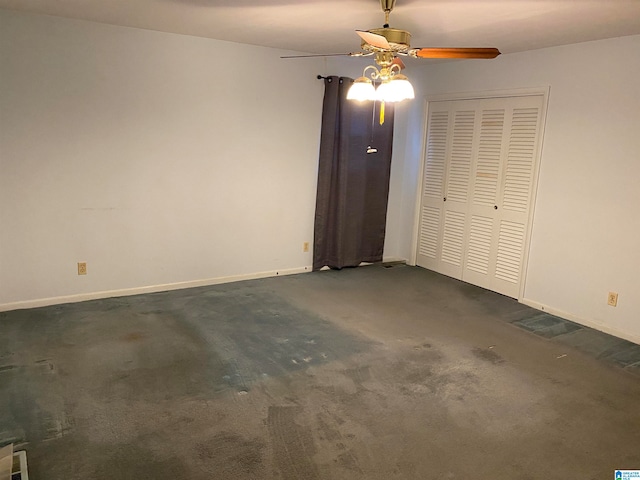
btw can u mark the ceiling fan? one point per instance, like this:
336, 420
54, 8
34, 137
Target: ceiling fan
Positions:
386, 43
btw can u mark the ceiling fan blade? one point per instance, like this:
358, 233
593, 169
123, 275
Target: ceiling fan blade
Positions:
322, 55
457, 52
374, 39
398, 61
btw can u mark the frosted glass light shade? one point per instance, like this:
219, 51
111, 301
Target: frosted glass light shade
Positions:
403, 87
361, 90
395, 90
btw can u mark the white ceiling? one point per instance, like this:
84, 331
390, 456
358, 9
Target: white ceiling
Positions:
327, 26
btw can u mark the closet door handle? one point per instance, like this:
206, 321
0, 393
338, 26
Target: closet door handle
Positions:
444, 199
495, 207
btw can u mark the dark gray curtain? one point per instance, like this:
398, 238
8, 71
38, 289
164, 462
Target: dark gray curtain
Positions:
353, 185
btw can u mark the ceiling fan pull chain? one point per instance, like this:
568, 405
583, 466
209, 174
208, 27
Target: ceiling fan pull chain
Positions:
371, 148
373, 117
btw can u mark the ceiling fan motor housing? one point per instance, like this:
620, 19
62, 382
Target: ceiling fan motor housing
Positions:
399, 40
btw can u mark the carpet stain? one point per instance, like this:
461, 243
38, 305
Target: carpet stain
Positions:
133, 337
487, 355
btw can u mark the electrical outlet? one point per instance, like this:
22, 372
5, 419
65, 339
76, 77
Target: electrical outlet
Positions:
82, 268
612, 299
305, 247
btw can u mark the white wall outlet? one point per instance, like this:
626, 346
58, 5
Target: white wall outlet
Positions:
305, 247
82, 268
612, 299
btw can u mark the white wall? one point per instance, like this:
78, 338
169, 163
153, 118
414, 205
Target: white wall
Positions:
156, 158
586, 228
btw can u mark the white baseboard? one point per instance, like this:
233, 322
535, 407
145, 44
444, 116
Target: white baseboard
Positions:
582, 321
82, 297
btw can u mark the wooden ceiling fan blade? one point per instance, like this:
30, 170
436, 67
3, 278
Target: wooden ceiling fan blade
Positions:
374, 39
322, 55
457, 52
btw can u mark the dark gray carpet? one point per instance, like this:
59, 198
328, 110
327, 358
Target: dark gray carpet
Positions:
368, 373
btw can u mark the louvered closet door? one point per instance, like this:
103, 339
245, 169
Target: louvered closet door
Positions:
432, 205
448, 163
501, 193
487, 223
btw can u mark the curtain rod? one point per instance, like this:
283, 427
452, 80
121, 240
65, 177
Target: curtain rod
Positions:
320, 77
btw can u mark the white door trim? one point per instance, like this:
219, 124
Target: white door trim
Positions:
511, 92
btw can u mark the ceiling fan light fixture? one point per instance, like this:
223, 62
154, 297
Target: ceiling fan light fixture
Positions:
362, 90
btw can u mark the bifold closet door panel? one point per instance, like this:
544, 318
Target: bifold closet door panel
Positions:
450, 149
433, 187
503, 179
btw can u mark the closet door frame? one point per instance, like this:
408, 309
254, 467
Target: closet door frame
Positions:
517, 92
